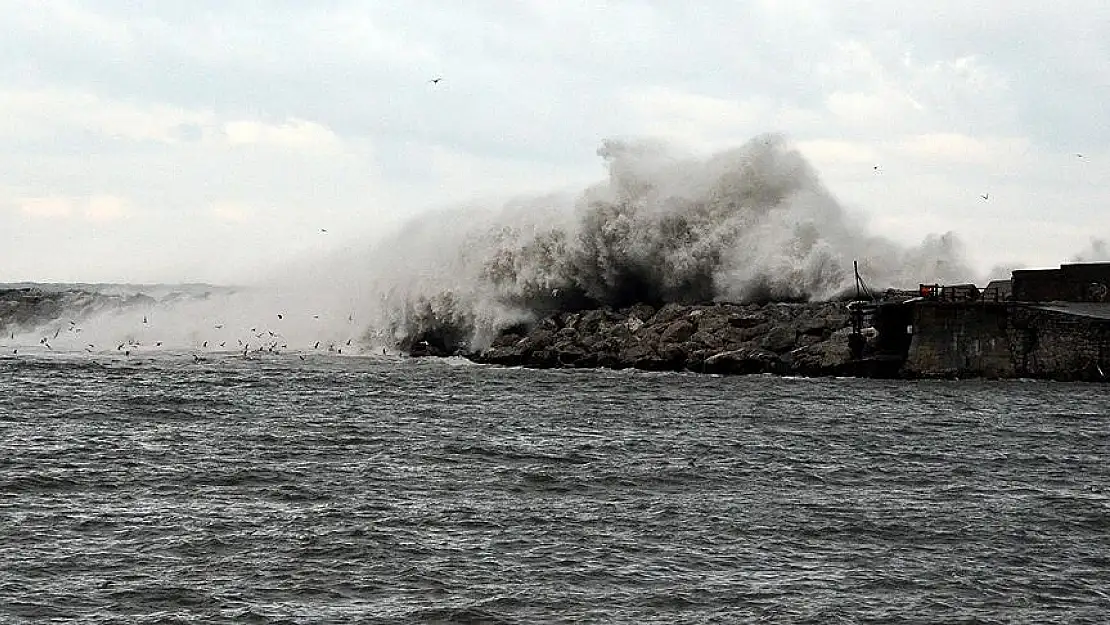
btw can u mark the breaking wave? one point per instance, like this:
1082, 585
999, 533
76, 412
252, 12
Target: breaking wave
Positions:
751, 224
748, 224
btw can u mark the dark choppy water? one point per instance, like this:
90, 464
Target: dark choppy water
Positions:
376, 491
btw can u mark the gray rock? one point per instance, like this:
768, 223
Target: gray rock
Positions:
780, 339
677, 332
744, 361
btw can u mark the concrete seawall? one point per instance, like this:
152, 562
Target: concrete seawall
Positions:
1060, 341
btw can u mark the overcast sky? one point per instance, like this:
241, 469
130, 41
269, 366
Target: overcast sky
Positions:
203, 141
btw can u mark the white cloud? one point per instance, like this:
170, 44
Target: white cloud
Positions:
308, 112
105, 208
231, 212
46, 207
99, 208
293, 134
959, 148
46, 113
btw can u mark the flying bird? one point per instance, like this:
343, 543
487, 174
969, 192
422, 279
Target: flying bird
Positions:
279, 316
435, 81
986, 196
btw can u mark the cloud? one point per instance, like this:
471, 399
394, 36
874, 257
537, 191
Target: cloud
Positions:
99, 208
231, 212
322, 111
293, 134
960, 148
46, 207
105, 208
46, 113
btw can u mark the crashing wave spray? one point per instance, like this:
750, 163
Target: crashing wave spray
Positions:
749, 224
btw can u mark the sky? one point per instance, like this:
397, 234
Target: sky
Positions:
214, 141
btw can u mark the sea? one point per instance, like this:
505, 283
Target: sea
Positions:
294, 488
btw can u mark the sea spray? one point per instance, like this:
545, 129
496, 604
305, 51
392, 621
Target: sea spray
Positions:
748, 224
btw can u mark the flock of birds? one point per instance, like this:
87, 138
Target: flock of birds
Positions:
256, 341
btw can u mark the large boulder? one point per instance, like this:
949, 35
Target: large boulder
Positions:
744, 361
781, 338
829, 357
677, 332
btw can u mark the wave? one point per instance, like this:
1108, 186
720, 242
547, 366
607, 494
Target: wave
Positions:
749, 224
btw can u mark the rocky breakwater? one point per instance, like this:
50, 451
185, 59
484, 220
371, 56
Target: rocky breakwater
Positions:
808, 339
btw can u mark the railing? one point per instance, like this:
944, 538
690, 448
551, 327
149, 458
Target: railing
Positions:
962, 293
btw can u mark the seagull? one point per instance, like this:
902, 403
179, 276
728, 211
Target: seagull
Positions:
986, 196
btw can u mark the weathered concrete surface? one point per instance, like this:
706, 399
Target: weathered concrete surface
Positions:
798, 339
1013, 340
